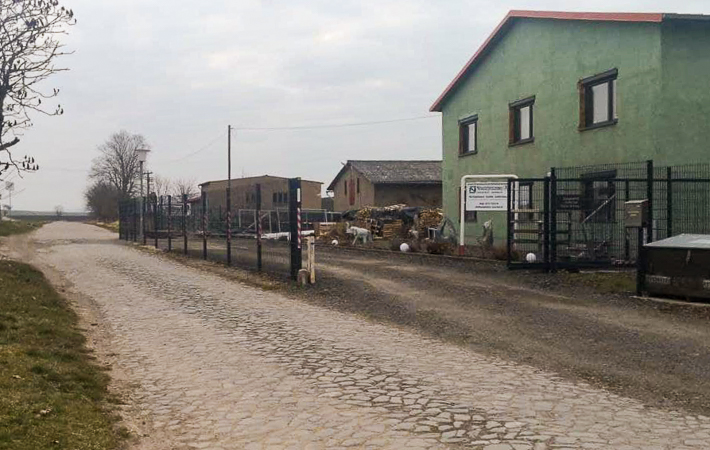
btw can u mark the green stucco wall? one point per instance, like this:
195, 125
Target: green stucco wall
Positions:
547, 58
684, 129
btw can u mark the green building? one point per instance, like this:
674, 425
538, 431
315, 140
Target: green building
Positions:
556, 89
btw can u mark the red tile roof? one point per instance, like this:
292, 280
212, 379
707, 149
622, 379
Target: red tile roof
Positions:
554, 15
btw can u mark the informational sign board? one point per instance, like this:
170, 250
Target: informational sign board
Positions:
487, 196
569, 202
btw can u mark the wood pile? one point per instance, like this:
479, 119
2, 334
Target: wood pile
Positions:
393, 229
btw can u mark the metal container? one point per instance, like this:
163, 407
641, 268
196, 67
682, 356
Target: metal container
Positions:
679, 266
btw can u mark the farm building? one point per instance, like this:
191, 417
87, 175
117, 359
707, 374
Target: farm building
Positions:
274, 193
563, 89
384, 183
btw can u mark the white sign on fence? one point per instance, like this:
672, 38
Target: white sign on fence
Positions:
487, 196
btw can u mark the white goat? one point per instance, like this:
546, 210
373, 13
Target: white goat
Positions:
359, 233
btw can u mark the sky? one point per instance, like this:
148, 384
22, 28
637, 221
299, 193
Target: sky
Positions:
179, 72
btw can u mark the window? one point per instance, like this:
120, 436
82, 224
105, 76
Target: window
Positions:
599, 197
358, 185
597, 100
285, 197
521, 122
468, 136
345, 183
275, 198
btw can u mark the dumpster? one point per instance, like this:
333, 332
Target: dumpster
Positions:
678, 266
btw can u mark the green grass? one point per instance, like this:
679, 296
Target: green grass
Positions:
606, 283
9, 227
52, 394
110, 226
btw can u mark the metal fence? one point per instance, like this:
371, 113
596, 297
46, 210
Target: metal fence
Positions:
575, 216
173, 224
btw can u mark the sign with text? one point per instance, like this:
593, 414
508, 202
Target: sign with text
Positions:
487, 196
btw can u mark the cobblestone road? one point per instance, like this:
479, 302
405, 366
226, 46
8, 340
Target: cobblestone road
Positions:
219, 365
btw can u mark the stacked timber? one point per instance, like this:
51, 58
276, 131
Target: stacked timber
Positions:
393, 230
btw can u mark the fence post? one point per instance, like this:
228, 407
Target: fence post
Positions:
143, 208
546, 224
204, 225
509, 223
184, 223
553, 220
640, 264
229, 225
258, 227
649, 195
294, 216
669, 202
135, 219
312, 258
170, 223
155, 218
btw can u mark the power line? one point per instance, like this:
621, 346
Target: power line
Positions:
342, 125
205, 147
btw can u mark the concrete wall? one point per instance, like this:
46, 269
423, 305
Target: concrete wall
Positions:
217, 193
417, 195
547, 58
364, 197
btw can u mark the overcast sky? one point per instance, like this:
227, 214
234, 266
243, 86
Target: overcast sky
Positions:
178, 72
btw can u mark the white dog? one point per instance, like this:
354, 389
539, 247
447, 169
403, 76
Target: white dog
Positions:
359, 233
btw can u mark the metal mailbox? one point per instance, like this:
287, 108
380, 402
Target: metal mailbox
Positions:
636, 213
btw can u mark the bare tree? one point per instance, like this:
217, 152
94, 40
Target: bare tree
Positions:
118, 163
162, 186
29, 47
59, 210
184, 186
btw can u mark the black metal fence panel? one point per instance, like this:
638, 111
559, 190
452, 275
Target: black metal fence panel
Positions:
193, 228
580, 221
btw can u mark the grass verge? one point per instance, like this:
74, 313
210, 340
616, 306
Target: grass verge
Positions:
52, 394
10, 227
110, 226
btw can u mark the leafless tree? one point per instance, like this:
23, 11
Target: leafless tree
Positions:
59, 210
184, 186
161, 186
118, 163
29, 46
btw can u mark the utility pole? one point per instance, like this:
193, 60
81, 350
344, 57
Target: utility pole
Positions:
229, 195
148, 174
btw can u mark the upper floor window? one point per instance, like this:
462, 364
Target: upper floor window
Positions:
597, 100
468, 135
521, 121
345, 184
358, 185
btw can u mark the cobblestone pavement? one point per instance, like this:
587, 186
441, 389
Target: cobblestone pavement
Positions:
219, 365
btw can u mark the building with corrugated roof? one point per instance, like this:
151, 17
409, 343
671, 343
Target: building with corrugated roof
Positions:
384, 183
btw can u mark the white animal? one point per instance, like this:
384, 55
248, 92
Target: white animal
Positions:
360, 234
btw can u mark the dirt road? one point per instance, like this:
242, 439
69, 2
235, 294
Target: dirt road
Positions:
216, 364
651, 351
